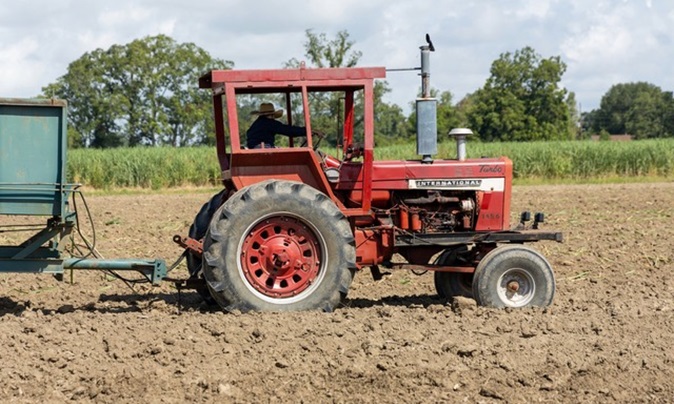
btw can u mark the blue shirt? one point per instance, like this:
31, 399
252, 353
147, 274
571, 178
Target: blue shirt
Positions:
264, 129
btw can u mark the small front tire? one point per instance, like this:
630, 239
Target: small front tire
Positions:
514, 276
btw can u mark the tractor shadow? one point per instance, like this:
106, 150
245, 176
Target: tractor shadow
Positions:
177, 303
412, 301
190, 302
9, 306
183, 301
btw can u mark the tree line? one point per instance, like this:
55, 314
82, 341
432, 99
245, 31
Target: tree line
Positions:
141, 93
640, 109
145, 93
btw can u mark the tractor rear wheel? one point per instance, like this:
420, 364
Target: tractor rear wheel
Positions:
197, 232
279, 246
450, 284
514, 276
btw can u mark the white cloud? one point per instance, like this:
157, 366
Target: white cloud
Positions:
19, 68
603, 42
166, 27
127, 15
531, 9
617, 42
91, 40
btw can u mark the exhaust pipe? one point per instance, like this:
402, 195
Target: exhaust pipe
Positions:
426, 106
460, 134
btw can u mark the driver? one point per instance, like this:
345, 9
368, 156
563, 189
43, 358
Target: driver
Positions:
262, 132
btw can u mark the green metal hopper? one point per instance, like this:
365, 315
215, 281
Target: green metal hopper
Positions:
33, 140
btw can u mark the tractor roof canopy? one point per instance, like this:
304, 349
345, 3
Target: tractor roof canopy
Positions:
291, 80
228, 84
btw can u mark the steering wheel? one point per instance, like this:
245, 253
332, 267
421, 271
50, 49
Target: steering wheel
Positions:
316, 133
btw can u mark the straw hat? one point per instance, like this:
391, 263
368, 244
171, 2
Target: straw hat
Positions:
267, 108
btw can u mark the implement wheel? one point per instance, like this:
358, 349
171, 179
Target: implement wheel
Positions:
198, 231
279, 246
450, 284
514, 276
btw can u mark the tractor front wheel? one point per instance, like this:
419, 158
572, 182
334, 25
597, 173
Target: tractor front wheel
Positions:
279, 246
513, 276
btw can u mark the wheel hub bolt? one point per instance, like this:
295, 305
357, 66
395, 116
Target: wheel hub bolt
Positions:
513, 286
281, 259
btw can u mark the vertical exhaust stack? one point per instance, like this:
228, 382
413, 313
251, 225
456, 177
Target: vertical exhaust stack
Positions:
426, 106
460, 134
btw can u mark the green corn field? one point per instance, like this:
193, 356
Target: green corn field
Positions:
144, 167
166, 167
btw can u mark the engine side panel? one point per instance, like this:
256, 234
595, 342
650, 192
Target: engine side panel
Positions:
441, 192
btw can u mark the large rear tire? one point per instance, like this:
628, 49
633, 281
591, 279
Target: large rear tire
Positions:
450, 284
198, 231
514, 276
279, 246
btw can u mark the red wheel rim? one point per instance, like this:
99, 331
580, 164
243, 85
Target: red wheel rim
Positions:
281, 257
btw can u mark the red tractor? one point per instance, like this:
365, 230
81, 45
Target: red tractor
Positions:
293, 224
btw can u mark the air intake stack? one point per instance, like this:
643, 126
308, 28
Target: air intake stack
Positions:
460, 134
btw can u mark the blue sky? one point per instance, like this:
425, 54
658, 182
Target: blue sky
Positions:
602, 42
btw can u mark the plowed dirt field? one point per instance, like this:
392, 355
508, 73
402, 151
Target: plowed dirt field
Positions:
608, 337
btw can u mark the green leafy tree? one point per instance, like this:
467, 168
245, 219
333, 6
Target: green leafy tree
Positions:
336, 52
588, 123
640, 109
463, 109
522, 100
668, 114
92, 109
448, 115
575, 128
141, 93
324, 52
326, 109
389, 121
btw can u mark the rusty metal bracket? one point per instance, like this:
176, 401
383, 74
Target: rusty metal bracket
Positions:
195, 246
